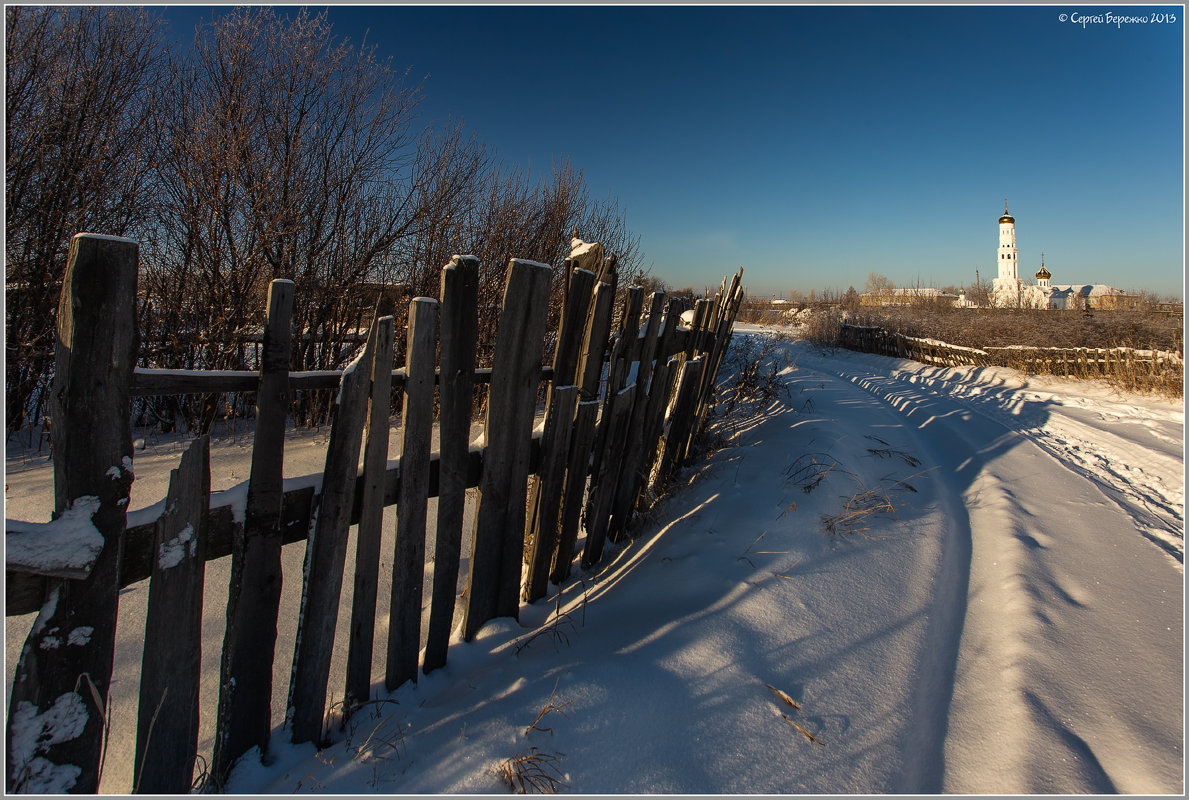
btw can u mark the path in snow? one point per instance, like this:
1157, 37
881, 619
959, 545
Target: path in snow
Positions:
1069, 676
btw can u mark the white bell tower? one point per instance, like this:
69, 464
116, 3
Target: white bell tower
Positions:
1009, 267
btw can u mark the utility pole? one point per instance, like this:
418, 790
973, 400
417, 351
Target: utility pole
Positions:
978, 296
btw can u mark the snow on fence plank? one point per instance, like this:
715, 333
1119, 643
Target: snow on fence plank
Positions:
64, 548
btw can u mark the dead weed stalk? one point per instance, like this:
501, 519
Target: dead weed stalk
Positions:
789, 701
858, 509
546, 710
533, 772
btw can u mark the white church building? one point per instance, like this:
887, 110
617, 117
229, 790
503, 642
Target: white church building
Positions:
1008, 291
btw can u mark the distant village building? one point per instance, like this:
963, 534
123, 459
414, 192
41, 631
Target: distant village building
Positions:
1008, 291
904, 297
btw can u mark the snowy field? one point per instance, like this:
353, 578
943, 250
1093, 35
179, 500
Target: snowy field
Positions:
967, 580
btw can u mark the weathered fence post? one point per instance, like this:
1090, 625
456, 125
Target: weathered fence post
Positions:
459, 335
65, 667
254, 597
497, 551
326, 552
371, 517
408, 563
167, 712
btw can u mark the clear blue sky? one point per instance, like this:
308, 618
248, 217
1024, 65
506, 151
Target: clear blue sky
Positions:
813, 145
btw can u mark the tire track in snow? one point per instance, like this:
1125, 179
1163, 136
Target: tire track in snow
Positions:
922, 747
1130, 471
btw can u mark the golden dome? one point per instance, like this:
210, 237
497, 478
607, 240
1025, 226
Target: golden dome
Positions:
1006, 216
1043, 274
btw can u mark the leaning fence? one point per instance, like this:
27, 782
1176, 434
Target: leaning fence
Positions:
1131, 368
621, 409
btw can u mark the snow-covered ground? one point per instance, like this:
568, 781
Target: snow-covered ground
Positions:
968, 580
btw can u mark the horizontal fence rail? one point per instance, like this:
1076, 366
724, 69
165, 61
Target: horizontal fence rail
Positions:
623, 400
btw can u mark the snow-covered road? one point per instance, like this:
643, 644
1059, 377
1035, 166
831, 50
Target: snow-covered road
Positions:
968, 580
1069, 668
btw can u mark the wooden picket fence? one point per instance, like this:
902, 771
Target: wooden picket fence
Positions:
606, 443
1131, 368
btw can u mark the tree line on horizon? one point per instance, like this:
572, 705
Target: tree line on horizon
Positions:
267, 148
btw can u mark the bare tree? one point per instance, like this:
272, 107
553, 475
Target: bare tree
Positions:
80, 96
879, 285
448, 177
288, 157
268, 149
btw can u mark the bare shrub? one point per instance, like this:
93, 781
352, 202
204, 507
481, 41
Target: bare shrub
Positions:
754, 364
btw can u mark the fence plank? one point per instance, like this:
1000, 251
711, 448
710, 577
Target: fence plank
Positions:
694, 342
717, 351
171, 667
254, 597
326, 551
594, 341
566, 362
577, 468
371, 516
658, 403
679, 422
408, 563
626, 483
526, 357
92, 444
659, 394
498, 541
568, 355
555, 449
617, 372
459, 334
603, 486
